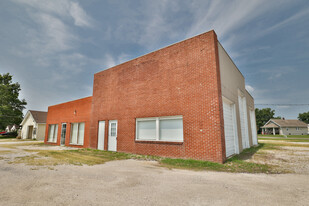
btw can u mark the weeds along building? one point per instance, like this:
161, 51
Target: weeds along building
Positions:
187, 100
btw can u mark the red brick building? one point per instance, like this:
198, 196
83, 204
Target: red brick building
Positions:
187, 100
66, 117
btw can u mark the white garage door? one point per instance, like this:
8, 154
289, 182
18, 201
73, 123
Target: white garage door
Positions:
253, 127
229, 129
243, 122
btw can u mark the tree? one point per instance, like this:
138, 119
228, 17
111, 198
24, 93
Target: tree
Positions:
11, 108
304, 117
262, 116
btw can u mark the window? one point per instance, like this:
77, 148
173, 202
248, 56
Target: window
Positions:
77, 133
113, 129
160, 129
297, 128
52, 133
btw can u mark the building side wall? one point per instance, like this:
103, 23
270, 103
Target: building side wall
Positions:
70, 112
40, 135
250, 107
29, 122
182, 79
293, 131
232, 81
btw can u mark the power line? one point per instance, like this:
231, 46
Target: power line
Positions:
284, 104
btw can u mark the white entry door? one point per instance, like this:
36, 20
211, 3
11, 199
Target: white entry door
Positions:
101, 134
230, 129
112, 135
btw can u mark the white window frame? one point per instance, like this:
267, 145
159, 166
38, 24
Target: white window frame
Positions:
55, 136
157, 119
78, 124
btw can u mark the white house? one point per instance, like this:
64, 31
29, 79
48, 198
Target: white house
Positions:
11, 128
285, 127
33, 125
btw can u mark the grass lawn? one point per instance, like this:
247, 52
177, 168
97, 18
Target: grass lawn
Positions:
51, 158
289, 136
238, 164
234, 164
287, 140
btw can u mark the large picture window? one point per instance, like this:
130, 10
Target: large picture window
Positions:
160, 129
52, 133
77, 133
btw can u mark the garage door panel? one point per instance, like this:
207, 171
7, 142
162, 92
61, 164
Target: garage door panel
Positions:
229, 129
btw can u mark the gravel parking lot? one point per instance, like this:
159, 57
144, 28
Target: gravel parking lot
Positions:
136, 182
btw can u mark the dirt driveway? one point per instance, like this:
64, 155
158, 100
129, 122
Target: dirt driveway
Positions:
136, 182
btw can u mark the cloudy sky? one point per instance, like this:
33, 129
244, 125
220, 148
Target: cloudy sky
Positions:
53, 48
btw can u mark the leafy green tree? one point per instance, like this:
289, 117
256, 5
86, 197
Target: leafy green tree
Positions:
11, 108
262, 116
304, 117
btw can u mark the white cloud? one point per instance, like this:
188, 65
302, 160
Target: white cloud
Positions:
249, 88
110, 61
61, 8
278, 72
79, 15
53, 35
225, 16
292, 19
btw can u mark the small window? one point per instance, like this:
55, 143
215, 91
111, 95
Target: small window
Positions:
160, 129
113, 129
287, 129
77, 133
52, 133
297, 128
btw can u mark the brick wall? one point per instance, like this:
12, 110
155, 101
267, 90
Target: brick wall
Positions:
70, 112
182, 79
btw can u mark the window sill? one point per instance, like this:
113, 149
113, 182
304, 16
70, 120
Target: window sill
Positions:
76, 144
158, 142
52, 142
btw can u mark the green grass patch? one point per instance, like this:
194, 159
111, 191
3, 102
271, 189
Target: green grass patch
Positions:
269, 135
289, 136
73, 157
14, 146
235, 164
286, 139
298, 136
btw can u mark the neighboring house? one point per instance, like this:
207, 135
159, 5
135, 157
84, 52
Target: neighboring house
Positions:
285, 127
187, 100
33, 125
12, 128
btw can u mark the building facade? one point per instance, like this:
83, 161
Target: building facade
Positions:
187, 100
33, 125
69, 123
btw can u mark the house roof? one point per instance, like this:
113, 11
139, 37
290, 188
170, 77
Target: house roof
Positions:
286, 123
270, 125
39, 116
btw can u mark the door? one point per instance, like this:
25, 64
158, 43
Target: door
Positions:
63, 133
253, 127
30, 131
231, 139
101, 132
112, 135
